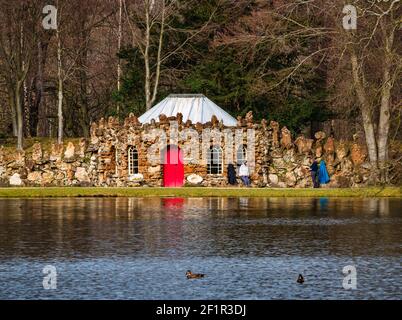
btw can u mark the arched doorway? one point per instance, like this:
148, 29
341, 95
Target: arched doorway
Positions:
173, 167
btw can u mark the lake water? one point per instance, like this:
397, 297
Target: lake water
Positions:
249, 248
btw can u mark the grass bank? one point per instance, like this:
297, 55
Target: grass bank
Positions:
197, 192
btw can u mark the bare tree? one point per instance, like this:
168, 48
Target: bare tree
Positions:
74, 44
376, 65
119, 41
149, 21
60, 80
65, 67
367, 58
17, 40
144, 17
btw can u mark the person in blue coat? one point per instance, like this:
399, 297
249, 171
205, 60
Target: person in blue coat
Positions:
323, 177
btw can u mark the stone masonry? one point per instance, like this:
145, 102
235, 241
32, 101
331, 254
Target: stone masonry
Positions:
279, 159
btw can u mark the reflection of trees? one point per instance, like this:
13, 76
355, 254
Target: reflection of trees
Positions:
107, 227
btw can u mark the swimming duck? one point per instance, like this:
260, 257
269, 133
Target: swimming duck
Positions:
300, 279
191, 275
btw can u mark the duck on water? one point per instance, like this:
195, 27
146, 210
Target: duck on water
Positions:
300, 279
191, 275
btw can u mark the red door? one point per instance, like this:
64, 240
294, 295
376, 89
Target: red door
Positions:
173, 168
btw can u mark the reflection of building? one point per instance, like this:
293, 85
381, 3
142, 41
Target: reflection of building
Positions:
175, 204
102, 227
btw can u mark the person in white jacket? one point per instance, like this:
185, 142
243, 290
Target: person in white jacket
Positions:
244, 174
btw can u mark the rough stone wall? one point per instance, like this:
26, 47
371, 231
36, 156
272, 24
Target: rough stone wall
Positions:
280, 160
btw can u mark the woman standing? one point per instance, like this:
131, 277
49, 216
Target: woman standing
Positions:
323, 176
314, 175
232, 174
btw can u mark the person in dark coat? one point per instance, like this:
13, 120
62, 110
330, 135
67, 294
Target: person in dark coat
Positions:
232, 174
314, 173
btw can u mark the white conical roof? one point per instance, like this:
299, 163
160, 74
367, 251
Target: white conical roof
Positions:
194, 107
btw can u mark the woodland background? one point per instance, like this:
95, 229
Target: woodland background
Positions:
290, 61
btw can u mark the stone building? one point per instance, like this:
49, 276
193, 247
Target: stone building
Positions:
185, 140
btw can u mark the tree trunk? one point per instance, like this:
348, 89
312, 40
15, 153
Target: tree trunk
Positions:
158, 61
38, 91
60, 113
150, 97
28, 103
60, 91
365, 108
24, 103
18, 107
84, 119
119, 37
13, 113
385, 112
146, 61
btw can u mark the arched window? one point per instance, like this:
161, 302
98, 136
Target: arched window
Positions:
241, 155
215, 160
132, 160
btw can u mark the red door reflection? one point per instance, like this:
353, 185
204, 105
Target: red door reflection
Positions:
173, 203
